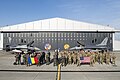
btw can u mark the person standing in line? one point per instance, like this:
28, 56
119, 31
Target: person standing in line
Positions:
43, 57
91, 60
16, 58
96, 57
69, 58
107, 58
101, 58
78, 59
38, 57
55, 60
74, 58
19, 58
113, 59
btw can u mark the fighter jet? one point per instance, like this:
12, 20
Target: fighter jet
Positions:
27, 47
102, 45
21, 46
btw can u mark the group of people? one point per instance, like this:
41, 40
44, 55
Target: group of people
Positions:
65, 58
75, 57
30, 58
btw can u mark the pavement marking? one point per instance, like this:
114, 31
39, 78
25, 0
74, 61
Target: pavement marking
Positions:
59, 72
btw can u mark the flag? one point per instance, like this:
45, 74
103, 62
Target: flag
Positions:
85, 60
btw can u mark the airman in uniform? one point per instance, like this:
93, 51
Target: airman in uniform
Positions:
107, 58
91, 59
83, 53
101, 58
88, 54
113, 58
78, 59
24, 58
74, 58
66, 58
93, 53
63, 59
104, 56
72, 54
96, 57
47, 59
69, 58
55, 59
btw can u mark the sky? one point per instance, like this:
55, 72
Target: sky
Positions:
102, 12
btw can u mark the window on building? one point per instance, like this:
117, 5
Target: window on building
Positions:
25, 41
39, 34
77, 34
61, 34
37, 40
58, 34
40, 40
55, 34
110, 35
43, 40
22, 40
71, 34
42, 34
55, 40
52, 34
64, 34
49, 34
92, 41
58, 39
67, 34
7, 34
74, 34
10, 34
31, 34
110, 41
52, 40
46, 35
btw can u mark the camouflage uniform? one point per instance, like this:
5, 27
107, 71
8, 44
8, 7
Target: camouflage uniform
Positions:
113, 59
47, 59
88, 54
101, 58
63, 59
91, 60
107, 58
96, 57
55, 59
104, 57
69, 58
74, 58
78, 59
93, 57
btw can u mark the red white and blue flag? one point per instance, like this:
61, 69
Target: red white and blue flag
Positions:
85, 59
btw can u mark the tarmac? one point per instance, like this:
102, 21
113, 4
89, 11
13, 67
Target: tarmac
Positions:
70, 72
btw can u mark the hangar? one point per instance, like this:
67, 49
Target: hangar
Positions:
57, 32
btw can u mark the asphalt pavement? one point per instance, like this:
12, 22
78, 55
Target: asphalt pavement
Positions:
8, 71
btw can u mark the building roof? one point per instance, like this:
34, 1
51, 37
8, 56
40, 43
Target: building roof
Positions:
56, 24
